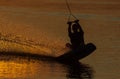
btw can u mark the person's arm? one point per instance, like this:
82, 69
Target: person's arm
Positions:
69, 28
79, 26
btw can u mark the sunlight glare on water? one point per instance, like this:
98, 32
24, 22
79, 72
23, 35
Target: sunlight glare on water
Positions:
17, 68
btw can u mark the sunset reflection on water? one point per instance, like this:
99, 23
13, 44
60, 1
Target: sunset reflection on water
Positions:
12, 67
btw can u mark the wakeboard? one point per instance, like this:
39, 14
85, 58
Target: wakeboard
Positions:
75, 55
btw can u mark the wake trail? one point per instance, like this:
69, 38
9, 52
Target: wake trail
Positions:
10, 42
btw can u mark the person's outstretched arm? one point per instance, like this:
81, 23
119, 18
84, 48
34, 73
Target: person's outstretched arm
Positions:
79, 26
69, 28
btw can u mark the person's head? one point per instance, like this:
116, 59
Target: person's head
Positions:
75, 28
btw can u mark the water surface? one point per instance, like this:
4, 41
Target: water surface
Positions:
39, 27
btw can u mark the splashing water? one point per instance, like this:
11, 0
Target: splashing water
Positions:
9, 42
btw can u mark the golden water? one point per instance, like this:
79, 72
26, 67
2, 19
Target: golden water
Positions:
40, 27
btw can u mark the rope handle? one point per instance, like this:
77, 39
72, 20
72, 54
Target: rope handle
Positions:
69, 17
75, 21
70, 12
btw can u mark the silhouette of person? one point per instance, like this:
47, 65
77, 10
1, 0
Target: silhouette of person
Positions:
76, 35
78, 47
